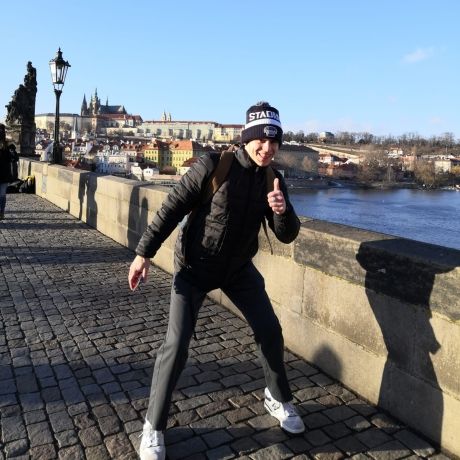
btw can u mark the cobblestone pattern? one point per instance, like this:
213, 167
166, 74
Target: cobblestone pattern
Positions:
77, 349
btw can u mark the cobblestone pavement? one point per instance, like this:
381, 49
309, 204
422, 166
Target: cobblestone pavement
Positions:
77, 349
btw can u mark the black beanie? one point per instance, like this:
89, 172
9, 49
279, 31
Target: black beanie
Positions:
262, 122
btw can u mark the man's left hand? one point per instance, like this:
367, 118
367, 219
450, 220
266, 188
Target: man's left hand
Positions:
276, 199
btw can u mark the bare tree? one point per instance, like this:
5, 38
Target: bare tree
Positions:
311, 137
345, 137
288, 159
309, 164
374, 166
455, 171
365, 138
425, 173
288, 136
299, 136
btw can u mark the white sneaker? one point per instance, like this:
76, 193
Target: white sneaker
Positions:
152, 444
285, 412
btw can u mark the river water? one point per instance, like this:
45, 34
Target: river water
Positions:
428, 216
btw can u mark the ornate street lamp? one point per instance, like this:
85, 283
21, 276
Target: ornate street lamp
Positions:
58, 69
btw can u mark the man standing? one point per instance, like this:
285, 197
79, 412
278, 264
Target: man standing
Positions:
8, 168
214, 249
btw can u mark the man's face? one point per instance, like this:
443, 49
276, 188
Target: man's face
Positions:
262, 151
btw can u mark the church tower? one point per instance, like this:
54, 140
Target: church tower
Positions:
84, 107
94, 105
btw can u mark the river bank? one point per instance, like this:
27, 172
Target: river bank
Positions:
321, 183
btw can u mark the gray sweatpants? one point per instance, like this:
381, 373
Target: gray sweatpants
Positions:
246, 289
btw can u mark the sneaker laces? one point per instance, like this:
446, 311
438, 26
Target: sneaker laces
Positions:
289, 409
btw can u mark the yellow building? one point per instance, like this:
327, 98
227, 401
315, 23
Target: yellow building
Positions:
155, 152
180, 151
172, 154
227, 133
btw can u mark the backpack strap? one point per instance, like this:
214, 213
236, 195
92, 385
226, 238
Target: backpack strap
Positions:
221, 171
214, 182
218, 175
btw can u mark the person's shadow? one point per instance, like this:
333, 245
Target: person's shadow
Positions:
87, 189
400, 275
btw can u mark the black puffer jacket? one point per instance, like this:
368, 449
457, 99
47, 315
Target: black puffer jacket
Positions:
8, 165
227, 227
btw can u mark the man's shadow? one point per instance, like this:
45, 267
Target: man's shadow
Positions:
400, 275
87, 189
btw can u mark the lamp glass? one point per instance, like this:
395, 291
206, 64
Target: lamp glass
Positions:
58, 67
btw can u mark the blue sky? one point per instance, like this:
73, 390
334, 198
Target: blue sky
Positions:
387, 67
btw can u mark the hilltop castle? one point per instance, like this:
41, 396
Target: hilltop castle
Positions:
98, 119
96, 108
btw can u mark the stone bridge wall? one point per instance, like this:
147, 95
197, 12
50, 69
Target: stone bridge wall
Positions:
380, 314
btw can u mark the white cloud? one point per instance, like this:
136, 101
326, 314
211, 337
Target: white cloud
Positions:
436, 121
420, 54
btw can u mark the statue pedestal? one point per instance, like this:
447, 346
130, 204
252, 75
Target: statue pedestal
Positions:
13, 134
23, 136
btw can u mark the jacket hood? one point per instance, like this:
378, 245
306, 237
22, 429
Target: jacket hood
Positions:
244, 159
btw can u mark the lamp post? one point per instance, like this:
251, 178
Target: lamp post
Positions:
58, 69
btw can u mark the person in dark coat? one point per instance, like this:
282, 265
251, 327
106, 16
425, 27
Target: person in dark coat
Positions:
214, 250
8, 171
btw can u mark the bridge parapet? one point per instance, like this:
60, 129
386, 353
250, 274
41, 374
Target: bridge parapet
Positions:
379, 313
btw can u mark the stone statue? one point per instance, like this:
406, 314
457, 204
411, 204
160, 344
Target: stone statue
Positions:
2, 134
22, 106
20, 117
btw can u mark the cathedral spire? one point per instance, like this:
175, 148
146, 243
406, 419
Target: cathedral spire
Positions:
95, 104
84, 106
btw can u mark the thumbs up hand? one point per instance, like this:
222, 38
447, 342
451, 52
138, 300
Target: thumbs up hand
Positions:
276, 199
